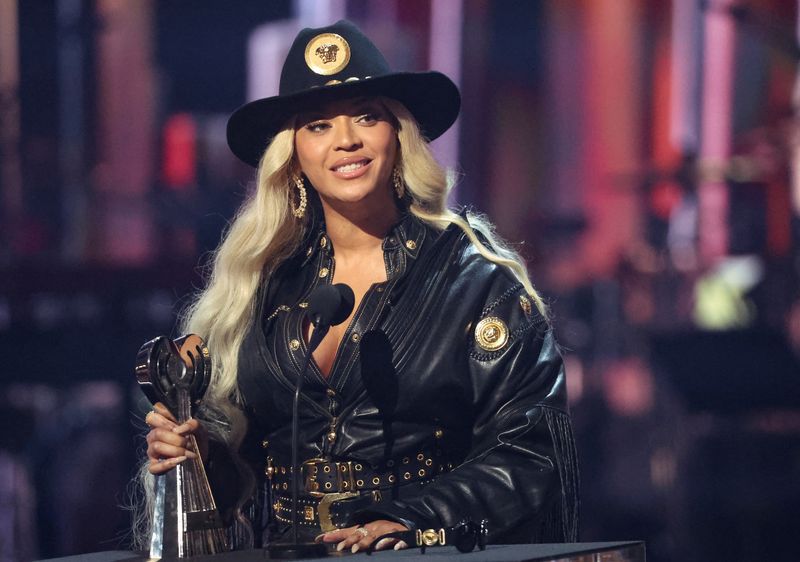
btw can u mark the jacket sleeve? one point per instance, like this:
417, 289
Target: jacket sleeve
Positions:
521, 472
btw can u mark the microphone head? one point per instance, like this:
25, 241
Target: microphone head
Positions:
330, 305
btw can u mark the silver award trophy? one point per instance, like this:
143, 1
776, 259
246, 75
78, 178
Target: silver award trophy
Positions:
185, 519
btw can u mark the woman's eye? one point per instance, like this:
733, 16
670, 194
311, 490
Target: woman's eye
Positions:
368, 118
317, 126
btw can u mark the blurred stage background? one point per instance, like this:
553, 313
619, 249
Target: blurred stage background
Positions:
647, 152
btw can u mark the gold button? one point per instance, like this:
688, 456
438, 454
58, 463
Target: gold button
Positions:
438, 433
323, 242
420, 457
411, 245
294, 345
421, 472
359, 483
331, 393
407, 476
376, 480
355, 337
430, 537
491, 333
303, 305
264, 444
428, 462
323, 272
331, 437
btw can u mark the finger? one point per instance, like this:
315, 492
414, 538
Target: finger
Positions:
159, 450
163, 411
190, 426
166, 436
336, 535
160, 467
360, 539
350, 539
385, 542
154, 419
362, 544
400, 545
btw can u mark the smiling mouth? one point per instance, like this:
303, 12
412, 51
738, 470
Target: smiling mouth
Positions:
351, 167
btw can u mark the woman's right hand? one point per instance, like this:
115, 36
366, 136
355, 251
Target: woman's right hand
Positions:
168, 443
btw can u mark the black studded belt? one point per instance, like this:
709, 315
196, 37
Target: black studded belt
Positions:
321, 476
335, 489
326, 511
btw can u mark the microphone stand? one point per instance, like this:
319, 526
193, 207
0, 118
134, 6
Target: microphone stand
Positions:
296, 549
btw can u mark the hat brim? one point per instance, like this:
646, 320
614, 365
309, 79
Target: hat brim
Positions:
431, 97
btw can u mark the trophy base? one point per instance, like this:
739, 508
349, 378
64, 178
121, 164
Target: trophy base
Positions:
295, 551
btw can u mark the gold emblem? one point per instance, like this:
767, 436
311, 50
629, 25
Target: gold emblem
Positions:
327, 53
294, 345
308, 513
491, 333
430, 537
525, 303
411, 245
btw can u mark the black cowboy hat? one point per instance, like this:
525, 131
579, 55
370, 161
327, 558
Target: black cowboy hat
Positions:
337, 62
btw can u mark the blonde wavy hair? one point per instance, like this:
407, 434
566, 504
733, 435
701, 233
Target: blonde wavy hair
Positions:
264, 233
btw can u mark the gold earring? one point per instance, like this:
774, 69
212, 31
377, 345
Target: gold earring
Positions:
300, 210
397, 181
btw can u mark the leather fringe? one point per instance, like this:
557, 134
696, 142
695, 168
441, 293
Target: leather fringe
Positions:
561, 522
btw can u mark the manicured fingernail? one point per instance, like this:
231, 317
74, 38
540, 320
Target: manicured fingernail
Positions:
179, 460
191, 454
340, 546
381, 543
354, 549
400, 545
319, 537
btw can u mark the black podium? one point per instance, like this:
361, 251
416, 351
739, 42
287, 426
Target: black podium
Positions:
629, 551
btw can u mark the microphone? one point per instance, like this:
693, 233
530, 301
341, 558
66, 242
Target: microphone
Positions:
328, 305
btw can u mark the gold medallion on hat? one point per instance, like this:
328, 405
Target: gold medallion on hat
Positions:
491, 333
327, 53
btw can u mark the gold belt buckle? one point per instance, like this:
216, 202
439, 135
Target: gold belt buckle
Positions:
324, 509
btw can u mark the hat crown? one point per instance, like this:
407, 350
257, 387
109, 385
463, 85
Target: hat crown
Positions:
328, 55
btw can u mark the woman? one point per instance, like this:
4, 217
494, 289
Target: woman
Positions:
441, 398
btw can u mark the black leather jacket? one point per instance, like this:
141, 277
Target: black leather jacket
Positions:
447, 426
